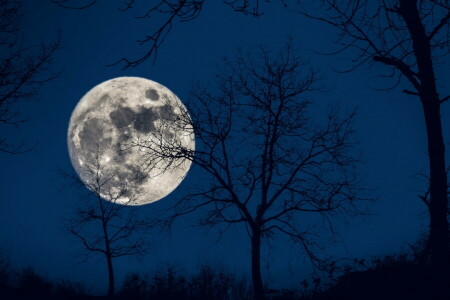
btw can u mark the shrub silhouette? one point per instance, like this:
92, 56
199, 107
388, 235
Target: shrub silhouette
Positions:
400, 276
389, 277
134, 287
26, 283
218, 283
168, 283
30, 283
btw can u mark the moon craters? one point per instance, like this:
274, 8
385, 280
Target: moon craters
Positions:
121, 117
145, 119
152, 94
92, 137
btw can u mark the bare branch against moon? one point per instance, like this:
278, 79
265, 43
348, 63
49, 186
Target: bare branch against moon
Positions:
110, 117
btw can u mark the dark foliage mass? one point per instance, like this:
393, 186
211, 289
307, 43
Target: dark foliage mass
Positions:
26, 283
389, 277
170, 283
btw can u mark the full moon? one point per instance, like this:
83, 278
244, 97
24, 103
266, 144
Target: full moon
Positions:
105, 123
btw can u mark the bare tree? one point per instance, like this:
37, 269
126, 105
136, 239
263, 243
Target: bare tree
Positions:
266, 164
409, 37
105, 227
23, 70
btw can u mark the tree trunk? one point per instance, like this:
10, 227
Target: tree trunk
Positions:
258, 288
438, 203
110, 275
436, 150
108, 258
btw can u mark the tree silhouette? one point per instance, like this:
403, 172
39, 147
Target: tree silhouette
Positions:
105, 227
408, 37
23, 69
266, 164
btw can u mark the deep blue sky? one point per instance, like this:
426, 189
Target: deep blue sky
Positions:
34, 199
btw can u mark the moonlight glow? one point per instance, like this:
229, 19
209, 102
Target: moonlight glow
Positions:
108, 119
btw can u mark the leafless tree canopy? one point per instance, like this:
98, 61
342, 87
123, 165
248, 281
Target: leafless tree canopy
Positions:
266, 161
24, 69
379, 32
173, 11
266, 158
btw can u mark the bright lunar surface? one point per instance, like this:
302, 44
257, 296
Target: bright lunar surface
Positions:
105, 123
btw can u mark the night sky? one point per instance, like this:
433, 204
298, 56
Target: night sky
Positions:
35, 200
